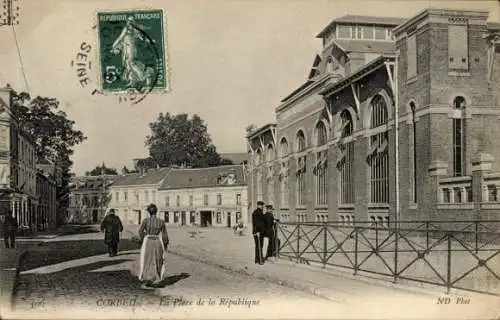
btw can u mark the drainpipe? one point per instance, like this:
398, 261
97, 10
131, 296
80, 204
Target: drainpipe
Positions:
396, 115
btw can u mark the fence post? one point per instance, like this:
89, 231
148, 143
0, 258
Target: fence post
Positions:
325, 245
298, 242
355, 250
426, 235
376, 234
448, 275
396, 248
476, 235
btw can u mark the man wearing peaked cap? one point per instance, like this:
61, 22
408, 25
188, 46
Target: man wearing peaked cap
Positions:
258, 229
269, 233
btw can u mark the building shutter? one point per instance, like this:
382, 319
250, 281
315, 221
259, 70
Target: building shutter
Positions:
458, 51
411, 56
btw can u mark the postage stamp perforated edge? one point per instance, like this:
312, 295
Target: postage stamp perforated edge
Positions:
97, 51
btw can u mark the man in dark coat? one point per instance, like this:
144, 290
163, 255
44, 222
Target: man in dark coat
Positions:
270, 232
9, 230
258, 229
112, 226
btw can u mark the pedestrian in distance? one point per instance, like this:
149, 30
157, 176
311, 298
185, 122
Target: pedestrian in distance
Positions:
112, 226
270, 233
258, 230
154, 236
9, 230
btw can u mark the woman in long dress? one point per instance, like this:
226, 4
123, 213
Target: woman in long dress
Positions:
154, 236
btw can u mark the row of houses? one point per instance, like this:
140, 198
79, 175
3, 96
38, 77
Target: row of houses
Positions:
28, 185
398, 120
215, 196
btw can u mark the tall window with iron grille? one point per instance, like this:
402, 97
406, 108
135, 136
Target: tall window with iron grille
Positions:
378, 155
320, 167
301, 169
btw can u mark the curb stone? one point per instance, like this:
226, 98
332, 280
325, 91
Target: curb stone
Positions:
316, 291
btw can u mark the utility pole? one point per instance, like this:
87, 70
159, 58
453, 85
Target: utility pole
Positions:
10, 13
103, 196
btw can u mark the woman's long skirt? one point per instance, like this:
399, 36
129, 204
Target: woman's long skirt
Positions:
152, 264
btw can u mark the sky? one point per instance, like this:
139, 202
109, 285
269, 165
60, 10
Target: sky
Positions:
230, 61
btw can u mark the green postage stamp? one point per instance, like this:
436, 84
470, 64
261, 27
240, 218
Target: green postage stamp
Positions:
132, 49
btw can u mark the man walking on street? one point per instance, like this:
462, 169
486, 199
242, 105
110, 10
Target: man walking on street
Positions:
258, 229
269, 234
9, 230
112, 226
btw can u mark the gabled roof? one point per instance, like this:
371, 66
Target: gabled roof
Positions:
356, 19
149, 177
91, 182
205, 177
260, 130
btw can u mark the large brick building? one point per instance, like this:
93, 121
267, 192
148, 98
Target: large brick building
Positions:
333, 152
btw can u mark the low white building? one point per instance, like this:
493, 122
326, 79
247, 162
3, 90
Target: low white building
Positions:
215, 196
131, 193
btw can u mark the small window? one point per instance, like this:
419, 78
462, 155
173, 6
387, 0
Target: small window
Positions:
380, 33
344, 32
219, 199
368, 33
492, 193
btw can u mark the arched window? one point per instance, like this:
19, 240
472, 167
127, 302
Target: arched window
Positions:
301, 141
320, 168
283, 148
330, 67
413, 151
378, 157
321, 134
301, 170
270, 174
459, 103
284, 173
345, 161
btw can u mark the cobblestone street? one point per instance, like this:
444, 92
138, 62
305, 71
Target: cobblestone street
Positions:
65, 276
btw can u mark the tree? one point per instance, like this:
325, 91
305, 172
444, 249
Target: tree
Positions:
99, 170
53, 134
178, 140
125, 170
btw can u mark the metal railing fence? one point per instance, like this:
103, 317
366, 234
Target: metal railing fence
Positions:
454, 254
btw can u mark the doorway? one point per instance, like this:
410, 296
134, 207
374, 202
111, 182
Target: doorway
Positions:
138, 212
94, 216
183, 218
206, 218
229, 219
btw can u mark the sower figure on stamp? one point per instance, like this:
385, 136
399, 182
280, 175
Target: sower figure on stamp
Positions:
154, 236
134, 70
258, 229
270, 232
112, 226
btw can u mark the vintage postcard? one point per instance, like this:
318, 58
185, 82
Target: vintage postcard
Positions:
245, 159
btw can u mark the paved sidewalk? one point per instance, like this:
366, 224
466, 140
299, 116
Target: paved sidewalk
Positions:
364, 297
